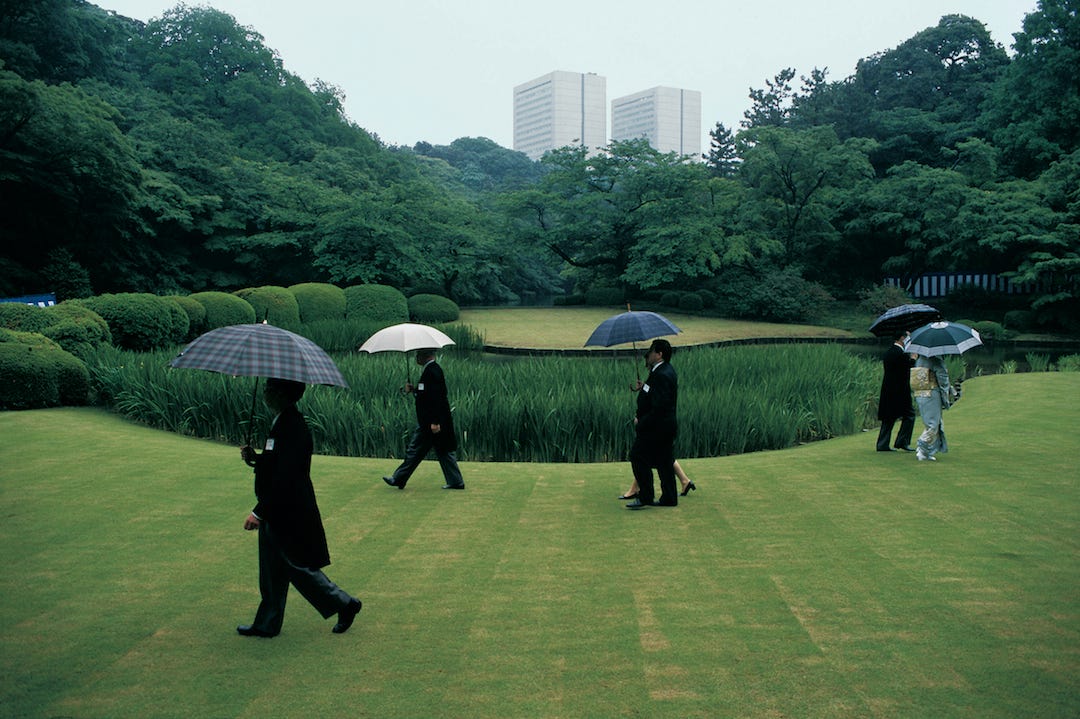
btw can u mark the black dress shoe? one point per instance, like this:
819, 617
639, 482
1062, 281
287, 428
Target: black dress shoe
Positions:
638, 504
392, 483
689, 488
246, 630
453, 486
346, 616
629, 496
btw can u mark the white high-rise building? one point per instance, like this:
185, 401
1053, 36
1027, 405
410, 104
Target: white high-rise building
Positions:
559, 109
668, 117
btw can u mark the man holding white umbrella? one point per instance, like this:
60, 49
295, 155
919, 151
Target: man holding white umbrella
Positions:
434, 426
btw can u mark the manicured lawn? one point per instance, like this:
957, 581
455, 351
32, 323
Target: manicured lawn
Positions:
823, 581
569, 327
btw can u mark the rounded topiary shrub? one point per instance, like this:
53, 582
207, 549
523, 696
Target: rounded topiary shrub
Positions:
376, 303
37, 373
708, 298
670, 298
276, 305
319, 301
195, 312
990, 330
224, 309
19, 316
433, 309
691, 302
77, 329
140, 321
1019, 320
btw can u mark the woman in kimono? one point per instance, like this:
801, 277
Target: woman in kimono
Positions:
933, 393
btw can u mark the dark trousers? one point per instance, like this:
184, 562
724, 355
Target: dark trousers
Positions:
903, 437
276, 572
650, 452
422, 442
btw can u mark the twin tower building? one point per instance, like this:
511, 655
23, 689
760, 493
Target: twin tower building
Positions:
570, 108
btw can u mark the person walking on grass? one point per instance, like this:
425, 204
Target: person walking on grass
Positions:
434, 426
292, 542
655, 426
685, 483
934, 394
894, 401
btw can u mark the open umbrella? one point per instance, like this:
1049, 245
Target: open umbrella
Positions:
260, 350
943, 338
633, 327
630, 326
903, 318
405, 337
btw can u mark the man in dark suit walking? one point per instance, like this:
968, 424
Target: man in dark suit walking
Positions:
656, 426
434, 426
292, 542
894, 402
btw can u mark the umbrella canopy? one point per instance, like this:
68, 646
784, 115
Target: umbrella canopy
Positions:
260, 350
630, 326
943, 338
405, 338
904, 318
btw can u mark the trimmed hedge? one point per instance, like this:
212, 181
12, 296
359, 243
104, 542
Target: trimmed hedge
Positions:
19, 316
140, 321
433, 309
319, 301
376, 303
276, 305
224, 309
37, 373
77, 329
196, 315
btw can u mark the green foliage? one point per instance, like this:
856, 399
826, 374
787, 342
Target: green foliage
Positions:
224, 309
139, 321
18, 316
605, 296
670, 298
38, 373
779, 296
77, 329
376, 303
1019, 320
196, 314
990, 330
691, 302
1038, 362
276, 305
875, 300
1068, 363
427, 308
319, 301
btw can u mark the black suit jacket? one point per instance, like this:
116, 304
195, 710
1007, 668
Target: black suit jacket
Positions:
433, 406
657, 403
894, 401
286, 497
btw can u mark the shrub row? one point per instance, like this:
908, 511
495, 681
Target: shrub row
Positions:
38, 373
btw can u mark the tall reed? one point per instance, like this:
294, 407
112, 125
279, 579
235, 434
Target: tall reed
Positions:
543, 409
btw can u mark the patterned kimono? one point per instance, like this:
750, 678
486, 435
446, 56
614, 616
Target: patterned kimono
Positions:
933, 396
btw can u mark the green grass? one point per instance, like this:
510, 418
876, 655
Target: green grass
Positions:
569, 327
824, 581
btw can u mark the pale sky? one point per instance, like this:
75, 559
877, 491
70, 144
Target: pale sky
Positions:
437, 70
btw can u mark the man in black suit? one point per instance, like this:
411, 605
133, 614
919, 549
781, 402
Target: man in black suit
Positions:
894, 402
292, 543
656, 426
434, 426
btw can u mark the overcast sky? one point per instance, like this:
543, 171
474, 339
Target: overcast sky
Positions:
437, 70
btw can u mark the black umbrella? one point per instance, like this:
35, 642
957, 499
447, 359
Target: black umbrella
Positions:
903, 319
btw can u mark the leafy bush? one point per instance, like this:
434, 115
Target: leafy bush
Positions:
604, 296
224, 309
568, 300
276, 305
708, 298
196, 315
1019, 320
1068, 363
37, 373
376, 303
319, 301
140, 321
17, 316
433, 309
991, 330
778, 296
691, 302
77, 329
670, 298
877, 299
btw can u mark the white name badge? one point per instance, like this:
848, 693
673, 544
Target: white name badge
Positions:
269, 444
420, 387
644, 388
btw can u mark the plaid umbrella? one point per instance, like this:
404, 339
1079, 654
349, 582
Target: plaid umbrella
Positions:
630, 326
943, 338
260, 350
903, 318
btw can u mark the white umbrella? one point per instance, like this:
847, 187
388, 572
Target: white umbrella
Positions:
405, 337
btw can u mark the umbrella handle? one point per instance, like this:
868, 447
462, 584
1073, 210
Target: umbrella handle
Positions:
251, 417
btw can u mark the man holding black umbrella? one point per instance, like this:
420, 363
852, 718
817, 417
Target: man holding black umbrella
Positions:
656, 426
894, 402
